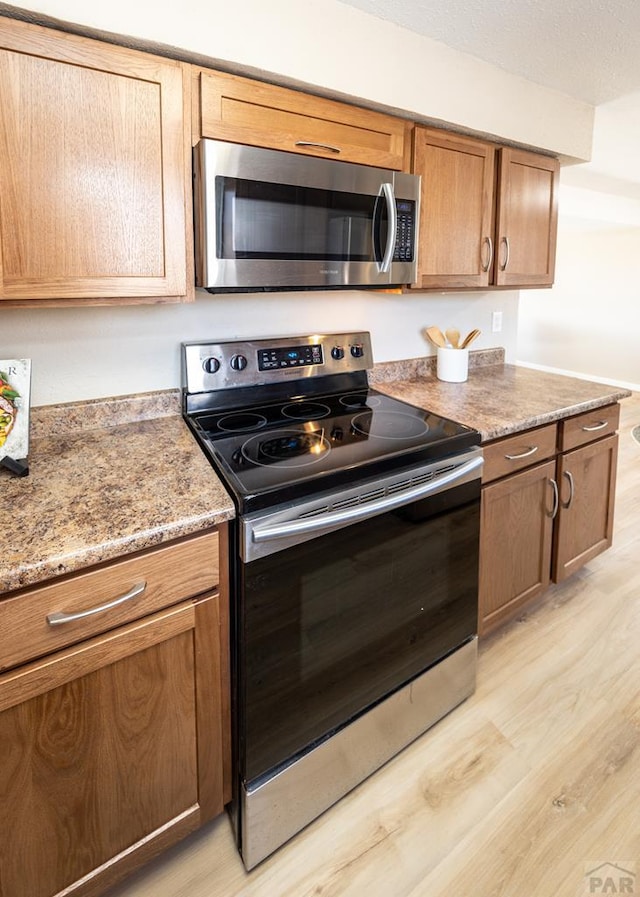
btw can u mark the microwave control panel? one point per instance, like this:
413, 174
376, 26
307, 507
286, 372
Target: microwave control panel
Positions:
406, 211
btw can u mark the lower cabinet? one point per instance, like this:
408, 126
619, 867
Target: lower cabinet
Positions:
547, 509
113, 748
584, 528
515, 543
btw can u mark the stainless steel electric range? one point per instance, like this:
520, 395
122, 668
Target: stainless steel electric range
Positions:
354, 568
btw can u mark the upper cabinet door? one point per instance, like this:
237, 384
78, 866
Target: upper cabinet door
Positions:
527, 219
93, 171
244, 111
456, 210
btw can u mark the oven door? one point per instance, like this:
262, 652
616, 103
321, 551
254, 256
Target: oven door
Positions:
268, 219
348, 612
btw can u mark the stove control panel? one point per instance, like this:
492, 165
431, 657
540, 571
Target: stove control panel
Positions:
272, 359
210, 366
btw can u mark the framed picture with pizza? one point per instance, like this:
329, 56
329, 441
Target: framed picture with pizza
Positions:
15, 386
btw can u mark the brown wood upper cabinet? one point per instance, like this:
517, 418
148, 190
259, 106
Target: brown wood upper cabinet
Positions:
527, 219
488, 213
241, 110
93, 171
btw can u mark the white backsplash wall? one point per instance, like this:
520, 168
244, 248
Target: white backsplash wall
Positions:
93, 352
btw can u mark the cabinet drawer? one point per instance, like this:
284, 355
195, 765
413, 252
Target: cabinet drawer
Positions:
516, 452
583, 428
244, 111
161, 577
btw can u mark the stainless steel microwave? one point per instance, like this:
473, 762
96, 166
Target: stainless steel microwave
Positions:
270, 220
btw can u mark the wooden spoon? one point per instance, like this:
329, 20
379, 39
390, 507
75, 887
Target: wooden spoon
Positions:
453, 336
436, 336
469, 338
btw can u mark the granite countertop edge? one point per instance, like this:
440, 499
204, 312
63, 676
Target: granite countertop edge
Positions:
497, 399
107, 478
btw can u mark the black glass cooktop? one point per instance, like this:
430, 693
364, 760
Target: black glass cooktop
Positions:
272, 453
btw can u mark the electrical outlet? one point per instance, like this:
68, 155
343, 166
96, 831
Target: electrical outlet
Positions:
496, 321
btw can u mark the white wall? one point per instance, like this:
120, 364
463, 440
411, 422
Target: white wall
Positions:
93, 352
589, 323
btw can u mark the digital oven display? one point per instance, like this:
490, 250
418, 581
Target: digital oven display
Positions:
291, 357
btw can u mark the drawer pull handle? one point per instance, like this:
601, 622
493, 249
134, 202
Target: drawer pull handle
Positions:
600, 426
324, 146
525, 454
59, 617
566, 505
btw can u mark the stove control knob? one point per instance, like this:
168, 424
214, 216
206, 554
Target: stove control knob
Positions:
337, 353
238, 362
357, 350
211, 365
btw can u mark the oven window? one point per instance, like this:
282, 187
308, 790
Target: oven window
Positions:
332, 626
288, 222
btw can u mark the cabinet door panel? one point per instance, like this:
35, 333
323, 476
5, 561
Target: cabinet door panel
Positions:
244, 111
584, 529
92, 169
456, 214
515, 543
527, 219
102, 753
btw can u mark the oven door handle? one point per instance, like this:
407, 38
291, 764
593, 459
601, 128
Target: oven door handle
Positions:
265, 532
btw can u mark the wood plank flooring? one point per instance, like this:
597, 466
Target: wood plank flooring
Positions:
524, 790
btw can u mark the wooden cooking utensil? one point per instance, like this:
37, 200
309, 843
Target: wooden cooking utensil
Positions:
453, 336
436, 336
469, 338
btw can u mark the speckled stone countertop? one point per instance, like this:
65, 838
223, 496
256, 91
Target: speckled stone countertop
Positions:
106, 478
497, 399
113, 476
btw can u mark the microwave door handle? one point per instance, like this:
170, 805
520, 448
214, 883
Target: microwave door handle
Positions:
392, 214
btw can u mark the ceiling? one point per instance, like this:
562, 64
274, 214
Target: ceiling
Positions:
588, 49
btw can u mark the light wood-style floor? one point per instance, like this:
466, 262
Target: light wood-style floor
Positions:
523, 790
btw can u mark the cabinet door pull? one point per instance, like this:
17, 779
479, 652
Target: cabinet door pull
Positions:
59, 617
599, 426
325, 146
525, 454
556, 498
489, 243
566, 505
505, 242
